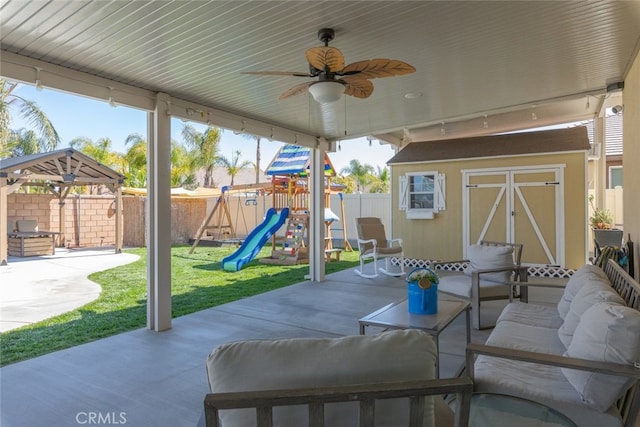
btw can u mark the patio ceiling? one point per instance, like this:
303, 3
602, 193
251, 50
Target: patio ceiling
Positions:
482, 67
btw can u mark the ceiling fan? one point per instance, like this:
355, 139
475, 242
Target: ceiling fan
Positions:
334, 78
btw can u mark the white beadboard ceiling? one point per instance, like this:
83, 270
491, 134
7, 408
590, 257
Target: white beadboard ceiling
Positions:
482, 66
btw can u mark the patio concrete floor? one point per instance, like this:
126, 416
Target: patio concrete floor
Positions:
145, 378
37, 288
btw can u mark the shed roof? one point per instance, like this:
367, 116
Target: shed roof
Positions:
65, 166
570, 139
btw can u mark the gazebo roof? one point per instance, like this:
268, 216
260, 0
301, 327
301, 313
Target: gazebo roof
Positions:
66, 166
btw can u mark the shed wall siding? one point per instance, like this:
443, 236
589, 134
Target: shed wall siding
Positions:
441, 238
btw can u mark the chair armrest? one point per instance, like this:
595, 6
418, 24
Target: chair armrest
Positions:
361, 242
548, 359
397, 240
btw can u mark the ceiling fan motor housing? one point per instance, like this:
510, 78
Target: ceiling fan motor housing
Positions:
326, 35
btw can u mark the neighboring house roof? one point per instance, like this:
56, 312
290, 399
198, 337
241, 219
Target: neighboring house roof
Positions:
67, 165
570, 139
295, 160
613, 134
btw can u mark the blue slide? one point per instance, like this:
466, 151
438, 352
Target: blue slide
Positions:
255, 240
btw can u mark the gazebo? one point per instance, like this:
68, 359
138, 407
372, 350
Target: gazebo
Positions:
57, 171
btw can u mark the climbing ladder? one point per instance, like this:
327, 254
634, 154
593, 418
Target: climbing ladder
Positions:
291, 249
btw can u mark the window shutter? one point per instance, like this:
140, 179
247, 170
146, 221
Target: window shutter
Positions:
440, 199
403, 194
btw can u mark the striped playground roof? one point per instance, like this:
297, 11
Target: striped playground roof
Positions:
295, 160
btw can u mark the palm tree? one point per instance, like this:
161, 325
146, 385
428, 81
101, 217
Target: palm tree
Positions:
257, 163
136, 160
207, 146
182, 166
361, 173
48, 136
233, 166
99, 151
380, 183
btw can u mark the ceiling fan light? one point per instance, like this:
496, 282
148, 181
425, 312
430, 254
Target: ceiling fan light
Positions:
326, 92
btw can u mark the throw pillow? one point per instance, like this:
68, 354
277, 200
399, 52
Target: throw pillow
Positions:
606, 333
584, 274
591, 293
483, 257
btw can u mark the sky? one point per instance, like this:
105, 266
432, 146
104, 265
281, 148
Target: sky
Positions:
76, 116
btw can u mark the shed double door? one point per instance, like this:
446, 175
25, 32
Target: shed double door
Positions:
521, 205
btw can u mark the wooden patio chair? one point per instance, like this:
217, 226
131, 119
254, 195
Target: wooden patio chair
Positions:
373, 244
489, 274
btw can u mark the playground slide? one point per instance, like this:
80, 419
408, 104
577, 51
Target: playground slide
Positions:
255, 240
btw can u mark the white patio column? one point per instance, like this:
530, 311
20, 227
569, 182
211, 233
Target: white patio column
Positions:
159, 215
4, 244
316, 221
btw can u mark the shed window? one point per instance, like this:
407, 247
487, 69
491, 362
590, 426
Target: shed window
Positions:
422, 194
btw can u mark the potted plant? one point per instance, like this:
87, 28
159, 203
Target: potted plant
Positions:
423, 291
604, 232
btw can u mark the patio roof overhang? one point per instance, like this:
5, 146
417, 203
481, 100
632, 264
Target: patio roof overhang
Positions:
509, 65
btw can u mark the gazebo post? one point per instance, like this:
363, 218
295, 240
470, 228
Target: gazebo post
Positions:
119, 212
61, 219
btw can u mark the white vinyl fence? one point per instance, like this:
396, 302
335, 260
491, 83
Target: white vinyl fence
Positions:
248, 210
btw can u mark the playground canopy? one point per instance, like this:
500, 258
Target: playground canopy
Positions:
295, 160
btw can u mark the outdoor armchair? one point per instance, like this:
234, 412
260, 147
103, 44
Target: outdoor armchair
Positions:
373, 245
488, 274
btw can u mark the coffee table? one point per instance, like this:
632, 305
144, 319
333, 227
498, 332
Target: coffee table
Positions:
499, 410
396, 316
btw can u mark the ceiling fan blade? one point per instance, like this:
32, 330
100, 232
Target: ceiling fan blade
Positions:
278, 73
357, 87
296, 90
376, 68
320, 56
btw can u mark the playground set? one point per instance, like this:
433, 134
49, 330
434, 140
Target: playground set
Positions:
289, 189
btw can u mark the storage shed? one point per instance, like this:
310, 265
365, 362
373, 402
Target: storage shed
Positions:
528, 188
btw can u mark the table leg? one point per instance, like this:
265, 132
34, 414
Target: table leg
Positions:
362, 326
468, 318
436, 341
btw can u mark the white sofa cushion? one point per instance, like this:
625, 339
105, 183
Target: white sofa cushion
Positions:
591, 293
306, 362
584, 274
606, 333
483, 257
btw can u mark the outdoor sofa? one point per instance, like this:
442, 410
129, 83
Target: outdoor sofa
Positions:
383, 379
580, 358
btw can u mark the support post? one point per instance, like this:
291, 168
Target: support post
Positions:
159, 216
316, 223
4, 244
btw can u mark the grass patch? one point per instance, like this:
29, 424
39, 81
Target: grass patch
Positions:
198, 283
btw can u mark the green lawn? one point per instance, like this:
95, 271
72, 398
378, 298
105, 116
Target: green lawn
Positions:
198, 282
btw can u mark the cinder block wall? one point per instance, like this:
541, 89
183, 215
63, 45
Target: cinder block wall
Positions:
89, 220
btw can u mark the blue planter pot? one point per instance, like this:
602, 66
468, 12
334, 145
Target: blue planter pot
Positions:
423, 301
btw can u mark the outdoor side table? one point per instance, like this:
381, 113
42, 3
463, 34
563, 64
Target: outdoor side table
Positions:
396, 316
499, 410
